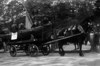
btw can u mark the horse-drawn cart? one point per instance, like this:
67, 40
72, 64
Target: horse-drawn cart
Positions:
47, 30
29, 40
39, 39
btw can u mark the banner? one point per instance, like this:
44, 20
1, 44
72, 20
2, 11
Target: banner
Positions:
28, 24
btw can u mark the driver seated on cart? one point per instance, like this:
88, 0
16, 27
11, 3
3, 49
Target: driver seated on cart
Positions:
14, 28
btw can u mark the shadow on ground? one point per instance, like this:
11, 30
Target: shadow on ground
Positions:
54, 53
74, 51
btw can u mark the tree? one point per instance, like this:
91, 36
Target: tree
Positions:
62, 10
14, 9
1, 7
10, 11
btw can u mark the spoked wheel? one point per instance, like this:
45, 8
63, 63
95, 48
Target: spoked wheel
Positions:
33, 50
13, 51
45, 49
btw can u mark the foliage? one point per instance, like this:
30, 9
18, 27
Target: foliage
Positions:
60, 11
14, 8
11, 10
63, 11
1, 8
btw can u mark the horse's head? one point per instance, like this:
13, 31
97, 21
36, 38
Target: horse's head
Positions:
87, 26
90, 27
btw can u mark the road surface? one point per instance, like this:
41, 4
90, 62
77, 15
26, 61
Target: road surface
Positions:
53, 59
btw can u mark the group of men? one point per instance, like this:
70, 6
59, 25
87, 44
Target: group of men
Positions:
15, 28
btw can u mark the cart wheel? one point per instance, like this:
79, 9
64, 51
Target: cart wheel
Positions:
45, 49
13, 51
33, 50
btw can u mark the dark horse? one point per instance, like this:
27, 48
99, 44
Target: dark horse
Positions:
76, 39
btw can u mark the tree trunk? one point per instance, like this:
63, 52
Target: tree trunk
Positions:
97, 38
5, 46
93, 46
94, 40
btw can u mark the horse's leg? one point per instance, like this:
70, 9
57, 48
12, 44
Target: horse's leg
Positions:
77, 45
80, 50
61, 50
85, 41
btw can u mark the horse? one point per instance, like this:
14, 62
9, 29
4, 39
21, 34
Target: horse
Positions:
75, 30
79, 39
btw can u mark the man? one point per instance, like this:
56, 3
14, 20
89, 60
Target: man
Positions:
14, 28
21, 26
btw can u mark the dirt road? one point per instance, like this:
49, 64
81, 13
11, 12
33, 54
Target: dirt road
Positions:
70, 59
